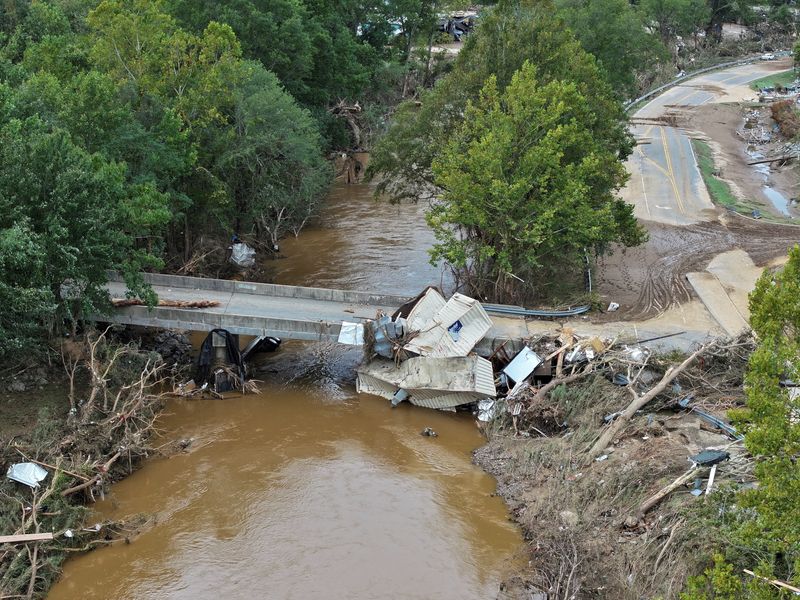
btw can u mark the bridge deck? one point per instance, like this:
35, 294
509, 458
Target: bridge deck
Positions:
263, 309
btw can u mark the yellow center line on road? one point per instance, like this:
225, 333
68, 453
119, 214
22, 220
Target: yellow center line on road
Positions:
671, 172
657, 166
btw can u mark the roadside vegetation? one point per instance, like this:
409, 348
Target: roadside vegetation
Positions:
773, 81
718, 188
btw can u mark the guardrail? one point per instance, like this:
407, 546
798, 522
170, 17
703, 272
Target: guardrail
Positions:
678, 80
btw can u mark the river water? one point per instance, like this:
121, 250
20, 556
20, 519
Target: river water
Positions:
309, 490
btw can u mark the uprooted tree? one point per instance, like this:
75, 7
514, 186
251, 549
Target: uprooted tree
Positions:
114, 402
527, 185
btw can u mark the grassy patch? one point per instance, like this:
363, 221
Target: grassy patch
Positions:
718, 189
782, 79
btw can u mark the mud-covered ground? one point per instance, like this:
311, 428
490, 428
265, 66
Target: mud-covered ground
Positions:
740, 134
25, 393
651, 278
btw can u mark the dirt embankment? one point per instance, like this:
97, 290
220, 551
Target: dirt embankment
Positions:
740, 134
590, 528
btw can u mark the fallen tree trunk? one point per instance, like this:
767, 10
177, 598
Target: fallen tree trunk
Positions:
615, 426
771, 160
123, 302
666, 491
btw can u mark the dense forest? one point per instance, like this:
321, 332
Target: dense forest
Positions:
134, 134
132, 129
135, 131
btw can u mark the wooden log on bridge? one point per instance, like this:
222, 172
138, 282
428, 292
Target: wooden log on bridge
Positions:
762, 161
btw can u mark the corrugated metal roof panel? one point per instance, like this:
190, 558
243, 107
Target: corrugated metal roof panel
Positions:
434, 340
367, 384
436, 399
425, 309
484, 377
432, 382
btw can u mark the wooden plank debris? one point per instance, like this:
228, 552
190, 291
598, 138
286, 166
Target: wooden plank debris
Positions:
121, 302
25, 537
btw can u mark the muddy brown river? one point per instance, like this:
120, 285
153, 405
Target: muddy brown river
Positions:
309, 490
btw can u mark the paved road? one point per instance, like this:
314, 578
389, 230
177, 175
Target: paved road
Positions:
666, 185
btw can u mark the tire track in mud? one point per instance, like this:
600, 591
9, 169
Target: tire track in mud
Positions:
651, 279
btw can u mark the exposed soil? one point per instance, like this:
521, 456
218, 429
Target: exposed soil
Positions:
735, 145
648, 280
23, 395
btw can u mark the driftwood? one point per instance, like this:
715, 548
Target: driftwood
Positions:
25, 537
666, 491
103, 470
771, 160
640, 401
122, 302
775, 582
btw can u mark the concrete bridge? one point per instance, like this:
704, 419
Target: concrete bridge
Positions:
288, 312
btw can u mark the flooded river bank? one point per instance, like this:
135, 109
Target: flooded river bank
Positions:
309, 490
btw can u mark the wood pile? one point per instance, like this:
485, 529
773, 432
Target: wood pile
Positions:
122, 302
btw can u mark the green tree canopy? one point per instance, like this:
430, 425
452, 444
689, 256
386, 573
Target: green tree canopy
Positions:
273, 167
66, 217
676, 17
278, 33
772, 422
614, 32
510, 34
526, 187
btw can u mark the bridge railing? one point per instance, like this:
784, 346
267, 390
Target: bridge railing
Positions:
269, 289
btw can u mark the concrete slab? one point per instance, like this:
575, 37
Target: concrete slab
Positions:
737, 273
718, 302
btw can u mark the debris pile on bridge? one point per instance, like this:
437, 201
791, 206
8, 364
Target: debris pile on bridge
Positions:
123, 302
423, 353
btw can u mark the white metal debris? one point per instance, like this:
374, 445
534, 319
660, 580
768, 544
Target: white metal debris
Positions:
487, 409
430, 382
351, 334
243, 255
425, 309
28, 473
523, 364
454, 330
